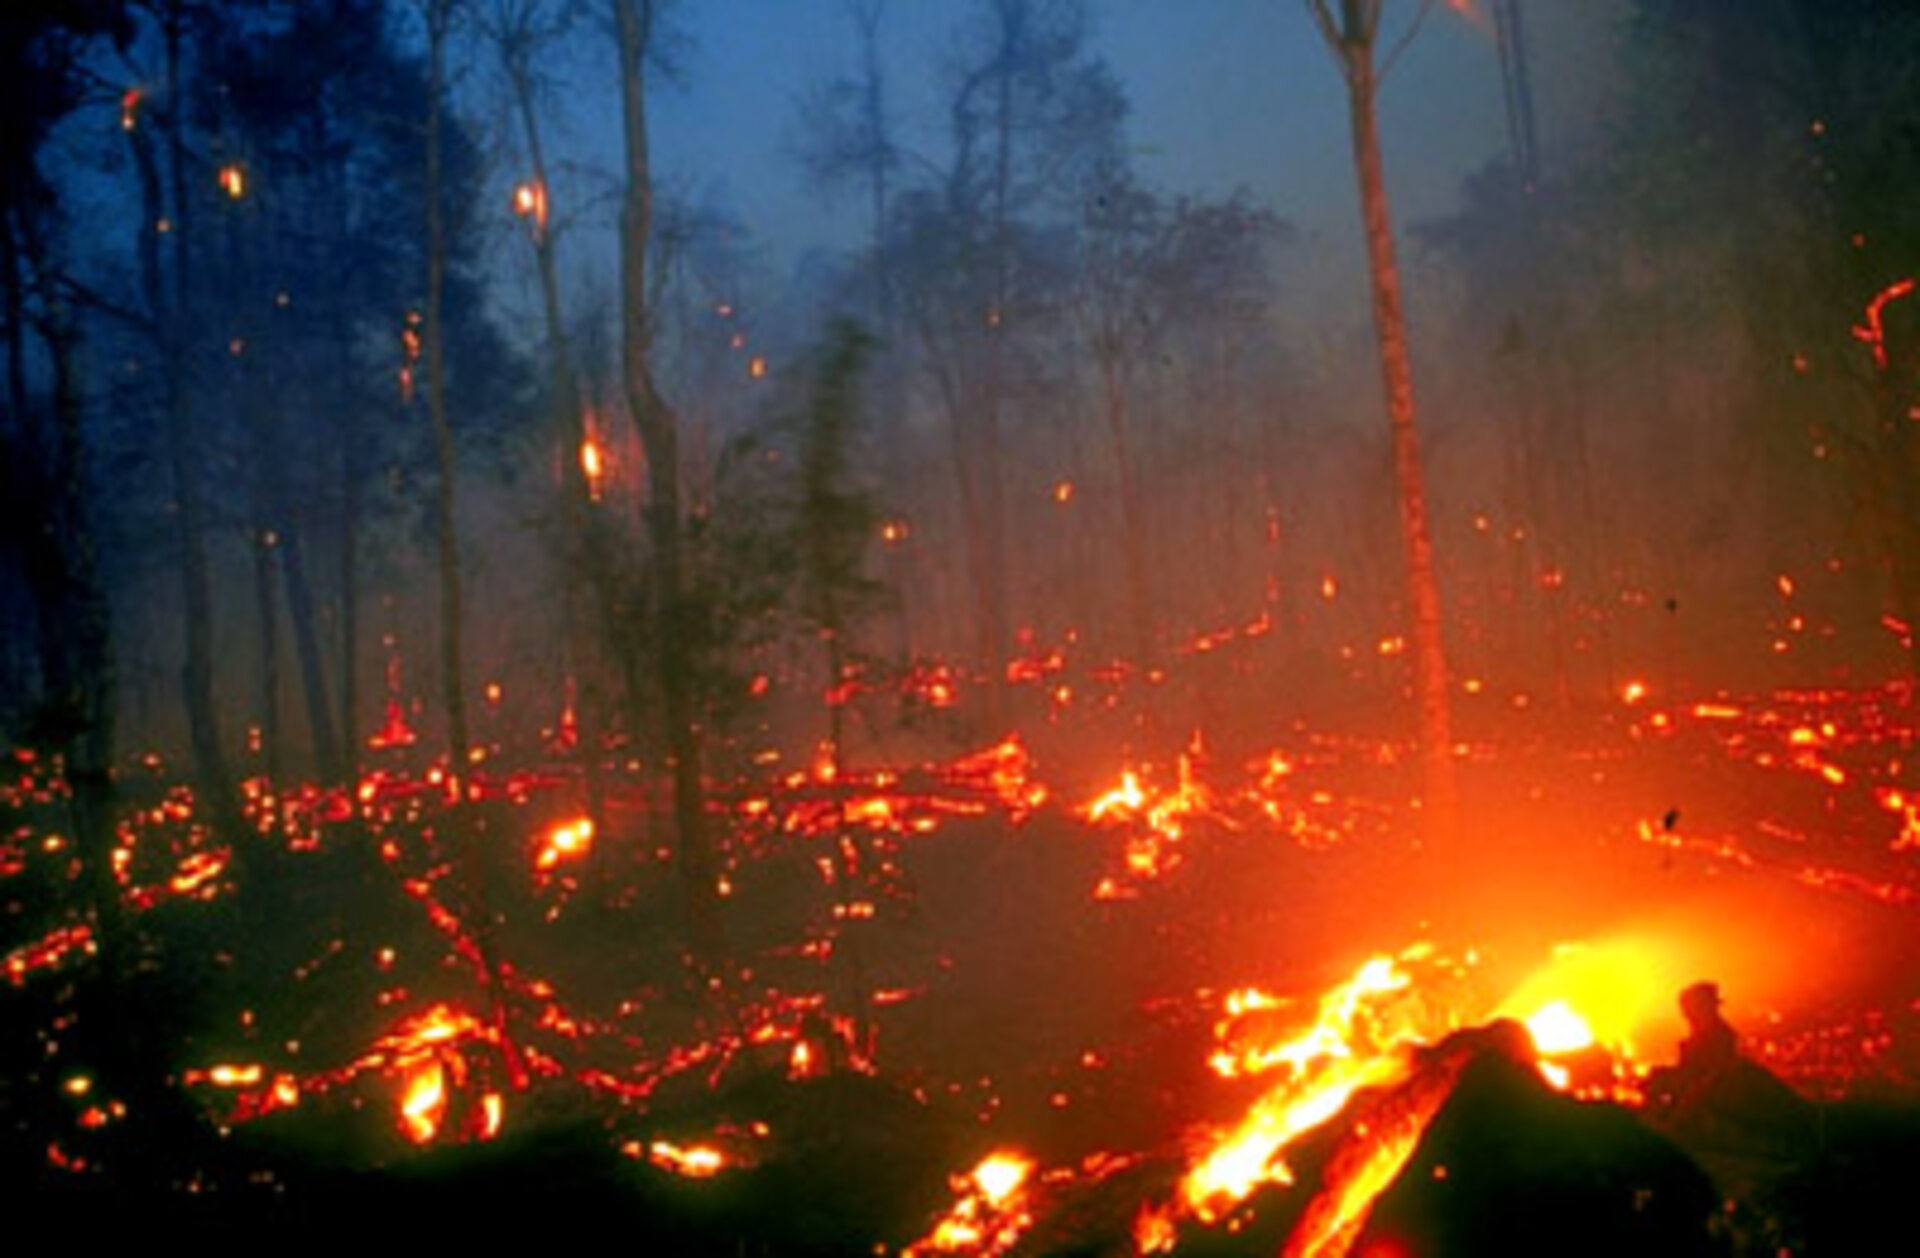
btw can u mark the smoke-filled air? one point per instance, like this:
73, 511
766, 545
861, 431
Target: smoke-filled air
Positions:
962, 627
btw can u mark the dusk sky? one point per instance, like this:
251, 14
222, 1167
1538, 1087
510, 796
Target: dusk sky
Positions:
1224, 94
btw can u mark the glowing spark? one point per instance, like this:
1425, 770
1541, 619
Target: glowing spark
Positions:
566, 841
1872, 332
233, 180
530, 202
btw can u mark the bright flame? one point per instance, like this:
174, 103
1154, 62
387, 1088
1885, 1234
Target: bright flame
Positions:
1358, 1039
530, 202
425, 1104
593, 465
1000, 1175
990, 1214
1558, 1028
567, 840
699, 1161
233, 180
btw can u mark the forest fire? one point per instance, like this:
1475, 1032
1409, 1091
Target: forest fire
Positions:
951, 690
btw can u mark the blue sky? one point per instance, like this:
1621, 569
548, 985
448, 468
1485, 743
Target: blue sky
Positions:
1224, 93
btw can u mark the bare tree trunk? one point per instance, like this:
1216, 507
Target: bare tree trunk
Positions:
267, 620
173, 319
1353, 44
584, 566
168, 306
452, 667
1133, 528
659, 437
306, 648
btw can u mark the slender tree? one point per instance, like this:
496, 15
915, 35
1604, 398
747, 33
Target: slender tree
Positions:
637, 30
1351, 29
438, 16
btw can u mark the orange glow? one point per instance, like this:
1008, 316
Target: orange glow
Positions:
1558, 1028
1908, 807
48, 951
593, 465
233, 180
1154, 1231
757, 367
567, 840
1000, 1175
1357, 1039
699, 1161
425, 1104
1872, 332
394, 732
197, 871
530, 202
1063, 492
130, 104
893, 532
1634, 691
492, 1113
1612, 992
990, 1214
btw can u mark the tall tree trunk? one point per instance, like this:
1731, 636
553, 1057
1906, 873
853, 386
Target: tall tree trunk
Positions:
267, 618
1133, 530
1353, 43
170, 307
14, 279
78, 642
584, 566
307, 652
452, 667
348, 543
659, 437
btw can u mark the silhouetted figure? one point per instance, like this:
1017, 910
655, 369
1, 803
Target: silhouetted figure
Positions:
1710, 1046
1716, 1095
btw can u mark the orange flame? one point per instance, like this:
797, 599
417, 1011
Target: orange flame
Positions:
698, 1161
530, 202
425, 1104
567, 840
991, 1213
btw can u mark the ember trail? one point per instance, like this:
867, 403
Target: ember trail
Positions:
831, 654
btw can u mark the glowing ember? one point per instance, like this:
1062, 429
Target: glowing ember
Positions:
48, 952
233, 181
1357, 1039
697, 1161
530, 202
592, 465
990, 1214
569, 840
1871, 332
425, 1103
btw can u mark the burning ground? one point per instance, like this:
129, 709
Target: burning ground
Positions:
1086, 989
